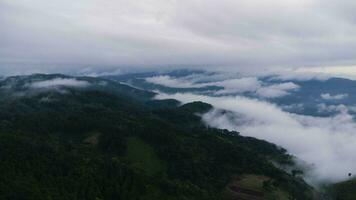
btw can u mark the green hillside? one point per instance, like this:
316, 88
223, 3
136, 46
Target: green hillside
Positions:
110, 141
344, 190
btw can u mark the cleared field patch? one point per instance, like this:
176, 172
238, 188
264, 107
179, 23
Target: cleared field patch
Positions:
254, 187
142, 156
92, 139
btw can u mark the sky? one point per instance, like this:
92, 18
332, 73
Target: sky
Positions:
84, 36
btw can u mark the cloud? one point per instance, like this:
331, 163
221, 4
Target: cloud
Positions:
293, 107
323, 108
97, 73
59, 82
230, 85
327, 96
348, 72
327, 144
277, 90
168, 81
297, 74
240, 85
41, 36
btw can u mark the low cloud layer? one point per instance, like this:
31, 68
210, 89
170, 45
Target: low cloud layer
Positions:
323, 143
348, 72
168, 81
323, 108
327, 96
277, 90
230, 85
59, 82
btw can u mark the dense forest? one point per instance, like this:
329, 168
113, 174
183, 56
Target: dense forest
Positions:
110, 141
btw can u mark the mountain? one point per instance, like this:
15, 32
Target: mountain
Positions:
344, 190
139, 80
314, 97
64, 137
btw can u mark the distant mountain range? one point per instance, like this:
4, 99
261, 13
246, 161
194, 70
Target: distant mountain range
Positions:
315, 97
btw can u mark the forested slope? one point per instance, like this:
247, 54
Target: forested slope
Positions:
105, 140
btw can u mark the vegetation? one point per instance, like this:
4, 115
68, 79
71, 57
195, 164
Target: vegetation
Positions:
143, 156
344, 190
112, 142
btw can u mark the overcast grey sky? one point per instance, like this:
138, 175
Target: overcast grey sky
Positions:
82, 35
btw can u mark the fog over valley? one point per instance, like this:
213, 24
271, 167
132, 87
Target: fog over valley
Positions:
278, 110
